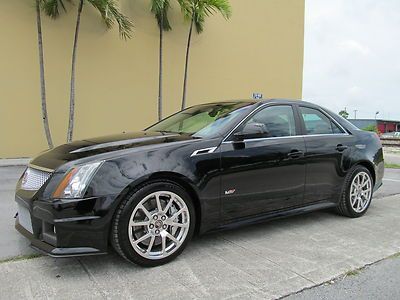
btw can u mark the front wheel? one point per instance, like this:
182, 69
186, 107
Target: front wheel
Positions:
357, 195
153, 224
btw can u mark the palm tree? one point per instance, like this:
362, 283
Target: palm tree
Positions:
110, 14
197, 11
45, 117
160, 10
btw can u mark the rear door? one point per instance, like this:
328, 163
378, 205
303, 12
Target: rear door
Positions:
327, 148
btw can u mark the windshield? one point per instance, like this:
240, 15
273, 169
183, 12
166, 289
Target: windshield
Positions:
202, 120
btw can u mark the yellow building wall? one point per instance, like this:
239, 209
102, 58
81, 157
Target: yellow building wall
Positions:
260, 49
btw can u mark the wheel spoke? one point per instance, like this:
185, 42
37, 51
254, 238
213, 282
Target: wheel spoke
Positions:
151, 244
175, 224
360, 203
357, 182
141, 239
146, 212
158, 202
363, 180
177, 213
172, 238
143, 223
171, 200
163, 244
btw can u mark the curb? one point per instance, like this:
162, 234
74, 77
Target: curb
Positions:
11, 162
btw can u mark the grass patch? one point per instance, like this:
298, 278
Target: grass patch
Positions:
352, 273
392, 166
396, 255
20, 257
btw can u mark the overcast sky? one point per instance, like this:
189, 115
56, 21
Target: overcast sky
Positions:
352, 56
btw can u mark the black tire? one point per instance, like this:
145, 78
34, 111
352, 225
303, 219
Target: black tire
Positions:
119, 233
344, 208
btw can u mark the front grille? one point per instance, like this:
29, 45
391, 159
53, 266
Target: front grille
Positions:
34, 179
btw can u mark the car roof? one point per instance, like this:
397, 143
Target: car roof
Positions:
265, 101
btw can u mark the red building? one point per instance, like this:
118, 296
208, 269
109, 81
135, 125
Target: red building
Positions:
382, 125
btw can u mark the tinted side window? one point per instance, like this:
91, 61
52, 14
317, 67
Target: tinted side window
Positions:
318, 123
277, 120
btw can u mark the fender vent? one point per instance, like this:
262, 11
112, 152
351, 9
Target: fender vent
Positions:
203, 151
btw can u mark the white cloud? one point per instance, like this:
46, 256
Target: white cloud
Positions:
355, 47
352, 56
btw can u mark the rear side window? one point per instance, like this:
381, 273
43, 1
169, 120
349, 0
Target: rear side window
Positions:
318, 123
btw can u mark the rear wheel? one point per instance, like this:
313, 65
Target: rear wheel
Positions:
357, 195
153, 224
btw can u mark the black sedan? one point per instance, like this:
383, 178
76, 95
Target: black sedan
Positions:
209, 167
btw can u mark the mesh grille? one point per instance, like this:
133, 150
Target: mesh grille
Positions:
34, 179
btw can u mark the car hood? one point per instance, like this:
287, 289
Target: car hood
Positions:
76, 150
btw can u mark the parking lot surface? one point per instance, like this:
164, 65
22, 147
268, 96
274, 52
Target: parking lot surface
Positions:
269, 260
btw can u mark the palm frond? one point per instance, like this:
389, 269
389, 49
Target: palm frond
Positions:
186, 8
200, 9
125, 26
111, 14
160, 9
221, 6
52, 7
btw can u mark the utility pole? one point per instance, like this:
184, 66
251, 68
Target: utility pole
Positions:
355, 114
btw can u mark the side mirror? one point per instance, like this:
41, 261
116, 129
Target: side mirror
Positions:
251, 131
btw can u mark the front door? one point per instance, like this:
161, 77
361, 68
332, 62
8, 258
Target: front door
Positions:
260, 175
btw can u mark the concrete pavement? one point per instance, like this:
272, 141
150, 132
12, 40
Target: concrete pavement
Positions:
261, 261
392, 155
391, 184
379, 281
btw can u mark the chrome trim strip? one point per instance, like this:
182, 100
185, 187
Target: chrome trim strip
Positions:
205, 150
286, 137
76, 219
345, 132
40, 168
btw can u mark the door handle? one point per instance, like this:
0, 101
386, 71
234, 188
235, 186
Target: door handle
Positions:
295, 154
341, 147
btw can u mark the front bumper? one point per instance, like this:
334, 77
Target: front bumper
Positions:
63, 229
51, 250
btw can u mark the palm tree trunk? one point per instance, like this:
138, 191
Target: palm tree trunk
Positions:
187, 64
71, 119
160, 70
42, 79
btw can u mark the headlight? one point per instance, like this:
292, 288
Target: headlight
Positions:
76, 181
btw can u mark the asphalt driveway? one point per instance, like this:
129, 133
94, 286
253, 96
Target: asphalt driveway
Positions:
261, 261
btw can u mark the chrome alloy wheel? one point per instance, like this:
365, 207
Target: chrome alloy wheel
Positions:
361, 192
159, 225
